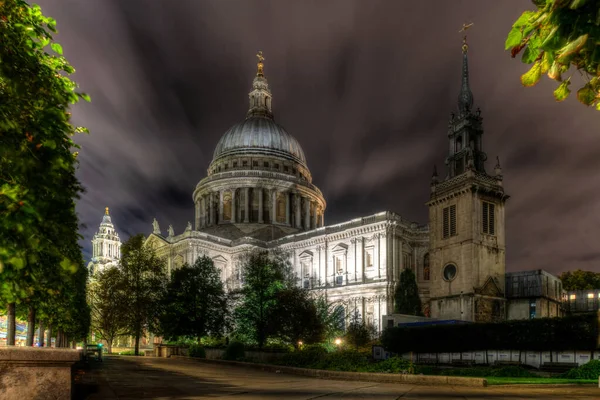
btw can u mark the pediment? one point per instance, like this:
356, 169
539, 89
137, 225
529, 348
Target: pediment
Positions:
340, 248
490, 288
306, 254
155, 241
219, 259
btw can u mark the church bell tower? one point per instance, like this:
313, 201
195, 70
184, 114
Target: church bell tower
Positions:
466, 222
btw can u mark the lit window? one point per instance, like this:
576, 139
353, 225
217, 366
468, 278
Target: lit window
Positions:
572, 297
369, 258
590, 295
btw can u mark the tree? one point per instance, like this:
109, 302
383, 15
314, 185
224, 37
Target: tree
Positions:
407, 300
359, 332
295, 317
195, 303
144, 282
331, 316
580, 280
264, 275
560, 34
108, 302
38, 223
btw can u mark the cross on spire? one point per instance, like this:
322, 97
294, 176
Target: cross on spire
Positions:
260, 64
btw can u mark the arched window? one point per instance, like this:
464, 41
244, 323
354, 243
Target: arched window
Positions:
426, 273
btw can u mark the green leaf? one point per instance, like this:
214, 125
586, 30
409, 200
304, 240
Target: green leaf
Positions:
575, 4
555, 71
513, 39
531, 77
563, 91
524, 18
85, 96
49, 143
57, 48
549, 39
546, 62
530, 54
598, 106
586, 95
571, 48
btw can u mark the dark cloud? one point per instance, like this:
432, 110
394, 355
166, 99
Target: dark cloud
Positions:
366, 87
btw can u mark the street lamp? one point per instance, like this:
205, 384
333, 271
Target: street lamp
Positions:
338, 341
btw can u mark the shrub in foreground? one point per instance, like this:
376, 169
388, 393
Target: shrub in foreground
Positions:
196, 350
479, 372
589, 370
235, 351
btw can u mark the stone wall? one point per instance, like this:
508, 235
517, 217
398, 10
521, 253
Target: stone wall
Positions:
36, 373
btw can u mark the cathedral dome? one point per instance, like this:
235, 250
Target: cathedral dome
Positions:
259, 135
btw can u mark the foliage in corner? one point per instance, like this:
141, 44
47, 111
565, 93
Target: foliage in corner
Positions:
559, 35
41, 265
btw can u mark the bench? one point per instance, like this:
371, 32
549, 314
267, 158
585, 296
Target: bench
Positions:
557, 366
507, 363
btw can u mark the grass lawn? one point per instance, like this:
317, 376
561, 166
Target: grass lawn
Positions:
536, 381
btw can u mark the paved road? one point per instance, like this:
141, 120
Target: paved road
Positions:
126, 378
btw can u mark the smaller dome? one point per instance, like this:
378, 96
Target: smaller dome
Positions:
259, 135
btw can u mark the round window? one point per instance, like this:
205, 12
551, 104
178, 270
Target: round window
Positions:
449, 272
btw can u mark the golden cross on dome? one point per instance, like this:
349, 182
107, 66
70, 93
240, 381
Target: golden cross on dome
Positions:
260, 57
106, 211
465, 47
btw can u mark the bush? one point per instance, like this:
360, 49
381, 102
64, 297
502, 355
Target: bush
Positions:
478, 372
196, 350
589, 370
128, 353
235, 351
391, 365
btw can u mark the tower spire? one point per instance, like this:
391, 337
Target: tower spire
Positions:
260, 96
106, 211
465, 98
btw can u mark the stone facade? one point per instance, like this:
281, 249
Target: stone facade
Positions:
466, 220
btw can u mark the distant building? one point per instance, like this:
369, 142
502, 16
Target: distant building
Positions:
579, 301
533, 294
106, 246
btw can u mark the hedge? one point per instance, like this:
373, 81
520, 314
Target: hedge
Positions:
544, 334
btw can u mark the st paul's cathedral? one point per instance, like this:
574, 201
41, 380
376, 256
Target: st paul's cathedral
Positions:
259, 193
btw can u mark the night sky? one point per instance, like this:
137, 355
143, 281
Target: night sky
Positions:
366, 87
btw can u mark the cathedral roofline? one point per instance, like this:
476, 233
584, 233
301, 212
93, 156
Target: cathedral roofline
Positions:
384, 216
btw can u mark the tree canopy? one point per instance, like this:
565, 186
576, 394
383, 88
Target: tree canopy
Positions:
40, 261
195, 303
559, 35
580, 280
145, 280
407, 300
108, 302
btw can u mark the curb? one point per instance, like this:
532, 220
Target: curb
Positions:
431, 380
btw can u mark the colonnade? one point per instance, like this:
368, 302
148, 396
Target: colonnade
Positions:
258, 205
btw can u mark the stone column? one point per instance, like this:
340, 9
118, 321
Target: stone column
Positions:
233, 206
306, 213
316, 218
197, 219
298, 211
274, 206
220, 220
323, 218
211, 208
247, 208
287, 208
260, 205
